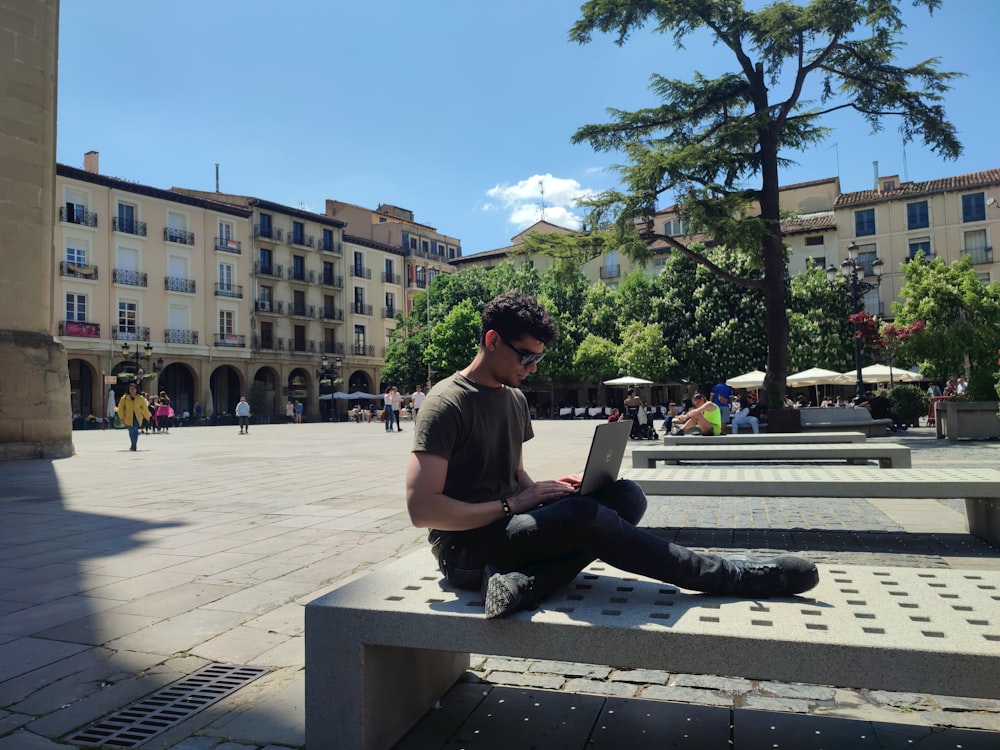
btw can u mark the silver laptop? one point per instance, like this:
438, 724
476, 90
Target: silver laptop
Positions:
606, 452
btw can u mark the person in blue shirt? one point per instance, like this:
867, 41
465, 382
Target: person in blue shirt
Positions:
722, 396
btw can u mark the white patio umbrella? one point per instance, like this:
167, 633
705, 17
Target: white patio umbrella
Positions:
628, 380
752, 379
884, 373
816, 376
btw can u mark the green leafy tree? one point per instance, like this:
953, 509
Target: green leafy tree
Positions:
455, 340
635, 298
596, 359
566, 292
601, 315
404, 358
643, 354
717, 144
962, 322
821, 335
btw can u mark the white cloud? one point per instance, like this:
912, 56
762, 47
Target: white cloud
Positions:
525, 201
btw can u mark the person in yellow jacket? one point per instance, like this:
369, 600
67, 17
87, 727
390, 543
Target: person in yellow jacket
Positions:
132, 410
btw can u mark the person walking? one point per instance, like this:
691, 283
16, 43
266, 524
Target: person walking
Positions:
387, 405
397, 407
417, 400
243, 414
132, 410
493, 528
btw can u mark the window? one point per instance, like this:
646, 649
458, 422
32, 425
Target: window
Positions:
917, 216
675, 227
76, 207
421, 275
76, 308
817, 260
866, 254
225, 277
267, 296
299, 267
864, 222
976, 247
265, 225
266, 261
328, 239
359, 339
227, 323
425, 246
298, 233
127, 220
390, 303
127, 318
225, 232
919, 245
413, 243
176, 227
299, 337
388, 270
813, 241
76, 255
359, 298
974, 207
266, 335
359, 263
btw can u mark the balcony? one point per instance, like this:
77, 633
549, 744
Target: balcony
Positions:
79, 329
332, 279
334, 348
388, 277
180, 236
302, 276
389, 312
271, 234
77, 270
302, 311
979, 255
419, 283
128, 278
611, 271
227, 245
177, 284
229, 290
360, 308
274, 270
269, 306
361, 272
332, 313
360, 350
179, 336
130, 333
301, 240
303, 346
231, 339
78, 215
267, 343
329, 246
128, 226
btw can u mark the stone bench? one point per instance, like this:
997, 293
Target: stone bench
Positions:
766, 438
888, 455
980, 488
818, 418
381, 650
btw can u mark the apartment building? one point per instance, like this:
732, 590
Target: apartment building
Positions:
424, 252
149, 280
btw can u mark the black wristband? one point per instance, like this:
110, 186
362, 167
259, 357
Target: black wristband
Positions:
508, 513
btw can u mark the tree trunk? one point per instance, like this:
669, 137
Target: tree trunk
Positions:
775, 303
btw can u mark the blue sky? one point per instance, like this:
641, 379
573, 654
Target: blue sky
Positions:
455, 110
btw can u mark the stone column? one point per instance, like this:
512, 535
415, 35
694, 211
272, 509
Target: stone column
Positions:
35, 418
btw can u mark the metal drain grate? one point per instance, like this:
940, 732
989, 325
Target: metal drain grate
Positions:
168, 706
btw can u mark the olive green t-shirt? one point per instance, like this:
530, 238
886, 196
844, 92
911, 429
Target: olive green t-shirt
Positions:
479, 431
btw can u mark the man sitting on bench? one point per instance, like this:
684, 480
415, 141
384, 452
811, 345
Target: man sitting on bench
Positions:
704, 419
495, 529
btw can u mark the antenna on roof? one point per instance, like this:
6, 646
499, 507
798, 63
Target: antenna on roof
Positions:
541, 207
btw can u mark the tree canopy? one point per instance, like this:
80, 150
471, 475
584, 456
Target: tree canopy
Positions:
717, 144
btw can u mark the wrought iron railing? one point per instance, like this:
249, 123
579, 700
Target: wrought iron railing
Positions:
229, 246
360, 308
129, 278
180, 236
179, 336
130, 333
332, 313
128, 226
177, 284
229, 290
77, 270
78, 215
361, 272
388, 277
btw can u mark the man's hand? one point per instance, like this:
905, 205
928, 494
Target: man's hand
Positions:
541, 493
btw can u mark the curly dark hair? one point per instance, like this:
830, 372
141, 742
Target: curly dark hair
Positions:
514, 315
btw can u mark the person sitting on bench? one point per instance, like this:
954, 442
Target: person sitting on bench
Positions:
495, 529
704, 419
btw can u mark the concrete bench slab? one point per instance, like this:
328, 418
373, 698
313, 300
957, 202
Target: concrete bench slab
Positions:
767, 438
888, 455
818, 418
980, 488
381, 650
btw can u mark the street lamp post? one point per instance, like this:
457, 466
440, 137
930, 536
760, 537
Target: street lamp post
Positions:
328, 375
853, 285
146, 354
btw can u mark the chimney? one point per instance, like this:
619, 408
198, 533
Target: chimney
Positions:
91, 162
875, 167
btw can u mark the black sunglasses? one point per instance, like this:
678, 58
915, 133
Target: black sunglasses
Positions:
526, 357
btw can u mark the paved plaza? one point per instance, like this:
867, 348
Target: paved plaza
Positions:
122, 573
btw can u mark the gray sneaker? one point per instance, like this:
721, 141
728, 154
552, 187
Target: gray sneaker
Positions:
506, 593
785, 575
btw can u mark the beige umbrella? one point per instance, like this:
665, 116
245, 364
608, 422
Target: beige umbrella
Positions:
752, 379
884, 373
816, 376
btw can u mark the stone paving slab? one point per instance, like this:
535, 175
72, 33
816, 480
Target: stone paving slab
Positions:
270, 520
